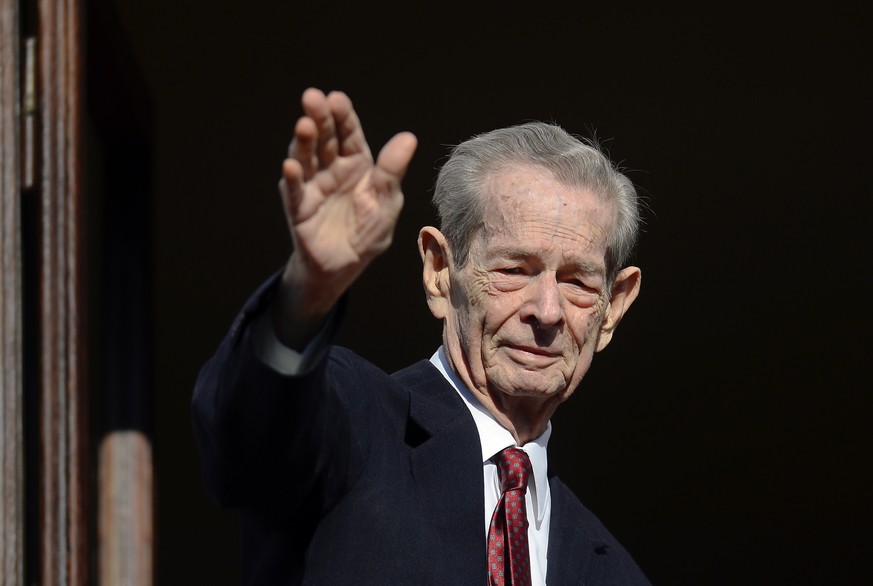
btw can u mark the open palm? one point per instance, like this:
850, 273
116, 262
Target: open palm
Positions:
340, 204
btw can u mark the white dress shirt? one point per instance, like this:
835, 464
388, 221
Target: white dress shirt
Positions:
494, 438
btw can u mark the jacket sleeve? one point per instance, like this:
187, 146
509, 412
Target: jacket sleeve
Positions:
269, 443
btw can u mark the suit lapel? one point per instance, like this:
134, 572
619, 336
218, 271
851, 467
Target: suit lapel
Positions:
446, 465
569, 549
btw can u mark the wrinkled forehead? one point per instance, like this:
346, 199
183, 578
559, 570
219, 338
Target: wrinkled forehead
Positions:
528, 200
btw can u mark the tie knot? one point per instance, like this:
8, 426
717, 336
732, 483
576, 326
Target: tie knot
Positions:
513, 468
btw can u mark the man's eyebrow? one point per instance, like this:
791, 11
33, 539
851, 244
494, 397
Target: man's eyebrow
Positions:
510, 252
590, 268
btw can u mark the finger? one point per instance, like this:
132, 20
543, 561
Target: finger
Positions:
327, 144
291, 187
349, 129
302, 148
395, 156
392, 163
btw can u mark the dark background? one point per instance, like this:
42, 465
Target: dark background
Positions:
724, 437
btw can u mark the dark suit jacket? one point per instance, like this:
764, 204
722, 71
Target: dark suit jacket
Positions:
349, 476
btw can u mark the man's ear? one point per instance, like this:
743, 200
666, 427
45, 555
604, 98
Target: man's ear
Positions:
436, 258
624, 290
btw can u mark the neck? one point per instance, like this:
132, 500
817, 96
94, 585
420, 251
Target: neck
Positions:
526, 418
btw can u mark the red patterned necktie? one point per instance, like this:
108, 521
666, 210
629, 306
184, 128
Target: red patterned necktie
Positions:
508, 555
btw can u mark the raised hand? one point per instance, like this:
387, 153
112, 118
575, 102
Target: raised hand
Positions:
340, 205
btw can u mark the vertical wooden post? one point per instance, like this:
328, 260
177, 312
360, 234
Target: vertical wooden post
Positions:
63, 476
120, 116
125, 510
11, 334
42, 155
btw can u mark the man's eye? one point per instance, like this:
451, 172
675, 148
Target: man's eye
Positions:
579, 284
512, 271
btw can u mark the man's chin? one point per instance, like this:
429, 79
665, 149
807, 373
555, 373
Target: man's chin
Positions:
543, 385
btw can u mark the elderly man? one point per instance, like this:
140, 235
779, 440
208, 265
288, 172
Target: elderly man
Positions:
437, 474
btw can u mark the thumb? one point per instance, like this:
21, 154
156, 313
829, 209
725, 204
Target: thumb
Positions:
394, 158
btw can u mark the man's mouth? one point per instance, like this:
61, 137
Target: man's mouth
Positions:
536, 353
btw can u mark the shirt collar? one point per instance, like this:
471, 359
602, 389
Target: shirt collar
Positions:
493, 437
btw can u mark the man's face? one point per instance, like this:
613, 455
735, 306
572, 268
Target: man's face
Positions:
526, 310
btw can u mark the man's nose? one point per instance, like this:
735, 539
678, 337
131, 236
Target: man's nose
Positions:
544, 301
